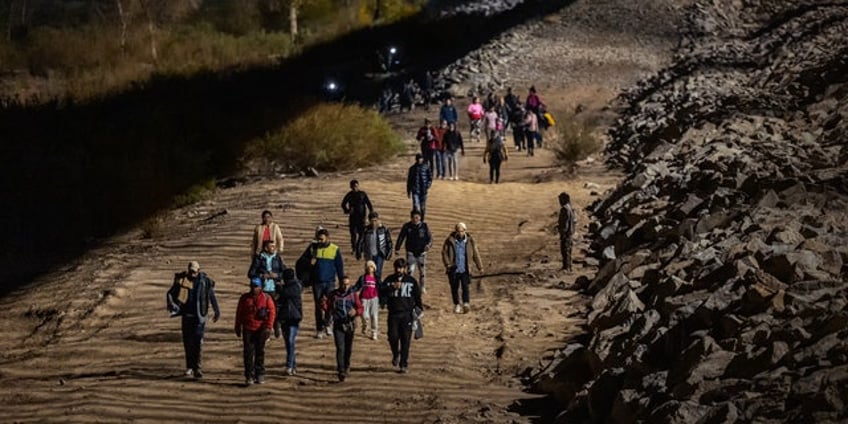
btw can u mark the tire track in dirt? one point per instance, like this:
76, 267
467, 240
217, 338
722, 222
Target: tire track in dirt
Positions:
121, 357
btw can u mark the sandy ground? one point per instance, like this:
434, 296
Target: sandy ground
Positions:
93, 341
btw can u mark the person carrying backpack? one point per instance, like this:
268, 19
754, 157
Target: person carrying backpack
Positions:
495, 154
289, 315
325, 265
344, 306
255, 316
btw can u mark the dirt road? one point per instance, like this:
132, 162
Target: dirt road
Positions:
93, 342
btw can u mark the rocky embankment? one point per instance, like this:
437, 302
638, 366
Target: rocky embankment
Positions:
575, 45
722, 292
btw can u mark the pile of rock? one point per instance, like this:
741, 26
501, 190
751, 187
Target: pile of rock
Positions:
722, 292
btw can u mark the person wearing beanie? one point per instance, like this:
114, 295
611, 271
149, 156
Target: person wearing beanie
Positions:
255, 316
189, 297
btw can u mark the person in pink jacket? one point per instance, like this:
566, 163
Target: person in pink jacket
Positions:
475, 115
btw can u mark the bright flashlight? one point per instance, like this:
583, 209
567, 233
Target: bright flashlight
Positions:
392, 50
331, 86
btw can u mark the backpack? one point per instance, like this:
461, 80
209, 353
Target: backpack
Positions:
303, 266
549, 119
496, 149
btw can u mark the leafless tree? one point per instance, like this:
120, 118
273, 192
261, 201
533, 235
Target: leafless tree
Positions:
151, 27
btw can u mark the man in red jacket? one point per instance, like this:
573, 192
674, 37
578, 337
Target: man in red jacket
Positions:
255, 317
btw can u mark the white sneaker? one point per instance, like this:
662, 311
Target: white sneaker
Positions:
374, 336
319, 335
465, 308
329, 331
423, 290
189, 372
457, 309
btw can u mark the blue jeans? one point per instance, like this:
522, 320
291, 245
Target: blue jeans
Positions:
419, 202
319, 290
440, 164
289, 335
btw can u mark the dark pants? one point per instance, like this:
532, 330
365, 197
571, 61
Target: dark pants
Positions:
192, 331
518, 136
419, 203
400, 336
357, 230
494, 170
530, 138
458, 280
319, 290
289, 336
565, 250
344, 345
254, 353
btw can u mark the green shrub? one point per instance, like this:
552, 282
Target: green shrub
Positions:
576, 140
329, 136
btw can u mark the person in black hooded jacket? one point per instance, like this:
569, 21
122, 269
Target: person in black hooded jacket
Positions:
289, 314
402, 296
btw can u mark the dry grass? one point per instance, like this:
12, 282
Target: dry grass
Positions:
329, 136
576, 139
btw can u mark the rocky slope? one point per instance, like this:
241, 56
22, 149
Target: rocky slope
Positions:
722, 293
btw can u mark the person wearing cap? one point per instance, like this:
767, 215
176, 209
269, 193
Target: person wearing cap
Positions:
416, 235
255, 316
418, 181
325, 260
268, 266
376, 243
267, 230
356, 206
566, 226
343, 305
289, 314
458, 248
189, 297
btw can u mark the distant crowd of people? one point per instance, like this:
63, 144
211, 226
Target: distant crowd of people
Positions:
273, 305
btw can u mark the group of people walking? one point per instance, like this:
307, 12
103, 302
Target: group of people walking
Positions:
440, 145
273, 304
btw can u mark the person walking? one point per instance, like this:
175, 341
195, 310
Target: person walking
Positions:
376, 243
255, 315
344, 306
426, 137
289, 315
458, 248
439, 151
418, 182
453, 143
325, 259
475, 116
566, 227
267, 230
491, 121
368, 287
268, 266
447, 112
495, 154
519, 128
417, 238
531, 129
403, 296
189, 298
356, 206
